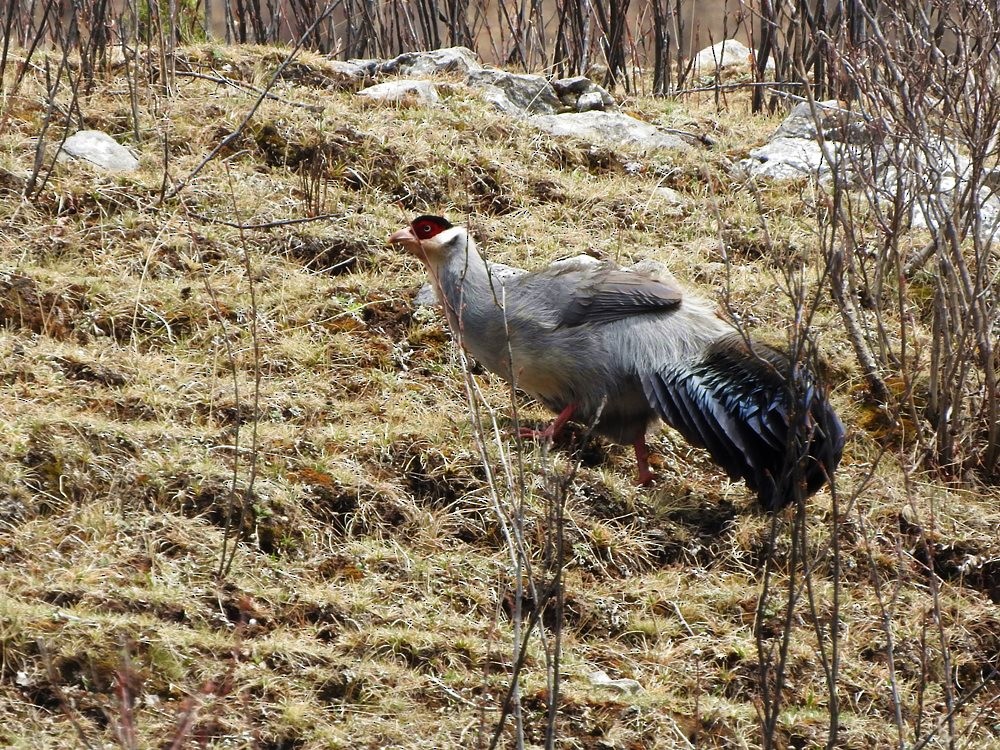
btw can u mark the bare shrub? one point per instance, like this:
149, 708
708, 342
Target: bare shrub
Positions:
908, 227
915, 242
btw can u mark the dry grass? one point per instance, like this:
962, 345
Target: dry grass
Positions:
365, 606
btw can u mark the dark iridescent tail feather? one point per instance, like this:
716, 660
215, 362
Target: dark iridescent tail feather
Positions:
736, 402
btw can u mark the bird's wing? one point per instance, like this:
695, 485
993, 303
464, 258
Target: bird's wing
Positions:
602, 293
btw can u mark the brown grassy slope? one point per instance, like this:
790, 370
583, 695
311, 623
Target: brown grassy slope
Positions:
365, 606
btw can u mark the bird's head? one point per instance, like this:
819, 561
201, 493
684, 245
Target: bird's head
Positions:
428, 237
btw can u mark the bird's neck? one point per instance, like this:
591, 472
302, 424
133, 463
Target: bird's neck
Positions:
465, 288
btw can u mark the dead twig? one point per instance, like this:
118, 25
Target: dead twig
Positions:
262, 225
247, 87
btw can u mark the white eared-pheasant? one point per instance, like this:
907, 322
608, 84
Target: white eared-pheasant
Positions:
620, 348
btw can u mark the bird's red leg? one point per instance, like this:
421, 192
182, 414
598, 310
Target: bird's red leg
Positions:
642, 459
552, 430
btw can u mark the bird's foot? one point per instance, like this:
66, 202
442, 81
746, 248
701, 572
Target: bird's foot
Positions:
529, 433
644, 477
552, 431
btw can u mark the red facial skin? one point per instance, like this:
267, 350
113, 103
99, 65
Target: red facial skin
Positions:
425, 227
422, 228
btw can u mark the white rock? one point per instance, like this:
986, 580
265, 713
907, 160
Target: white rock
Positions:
368, 65
422, 92
670, 195
729, 53
426, 296
496, 96
836, 122
447, 60
570, 90
332, 74
590, 102
100, 149
786, 158
655, 270
527, 93
607, 128
601, 679
990, 216
576, 85
926, 213
350, 72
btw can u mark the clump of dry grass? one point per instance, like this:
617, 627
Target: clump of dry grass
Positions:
368, 599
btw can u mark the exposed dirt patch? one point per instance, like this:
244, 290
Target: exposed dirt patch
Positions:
238, 609
598, 160
435, 478
11, 183
391, 318
963, 562
282, 145
123, 408
692, 532
326, 499
331, 255
25, 304
547, 190
492, 193
353, 159
752, 245
91, 372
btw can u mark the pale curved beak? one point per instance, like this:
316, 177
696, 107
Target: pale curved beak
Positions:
406, 239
